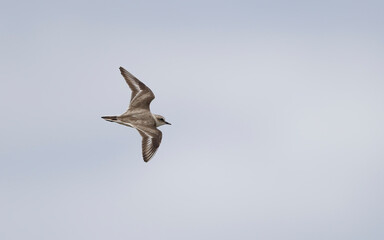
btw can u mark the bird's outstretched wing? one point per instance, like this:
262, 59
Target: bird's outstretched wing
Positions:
141, 96
150, 142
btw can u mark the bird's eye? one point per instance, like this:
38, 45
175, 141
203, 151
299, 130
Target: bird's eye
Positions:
162, 119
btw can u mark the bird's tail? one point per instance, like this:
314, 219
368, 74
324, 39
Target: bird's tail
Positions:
110, 118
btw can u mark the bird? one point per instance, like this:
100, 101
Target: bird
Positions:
139, 116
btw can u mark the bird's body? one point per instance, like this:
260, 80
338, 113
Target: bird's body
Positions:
139, 116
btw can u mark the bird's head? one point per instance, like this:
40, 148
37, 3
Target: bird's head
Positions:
160, 120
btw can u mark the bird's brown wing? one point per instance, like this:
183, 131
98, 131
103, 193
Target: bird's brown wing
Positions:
150, 142
141, 96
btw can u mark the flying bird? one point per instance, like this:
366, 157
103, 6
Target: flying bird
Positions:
139, 116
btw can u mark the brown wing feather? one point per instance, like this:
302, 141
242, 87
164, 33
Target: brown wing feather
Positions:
150, 142
141, 96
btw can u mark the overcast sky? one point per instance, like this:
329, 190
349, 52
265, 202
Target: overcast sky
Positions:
277, 111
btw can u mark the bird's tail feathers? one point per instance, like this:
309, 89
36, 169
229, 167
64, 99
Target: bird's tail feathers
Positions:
110, 118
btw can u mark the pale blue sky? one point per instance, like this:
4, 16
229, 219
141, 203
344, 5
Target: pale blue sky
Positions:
277, 113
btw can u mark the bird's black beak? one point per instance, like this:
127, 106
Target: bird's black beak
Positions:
167, 123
